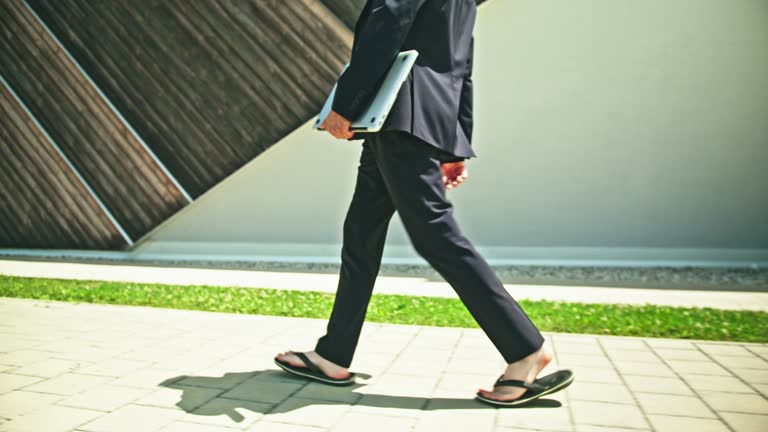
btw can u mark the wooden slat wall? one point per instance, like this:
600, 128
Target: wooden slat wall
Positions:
42, 202
346, 10
349, 10
209, 85
115, 165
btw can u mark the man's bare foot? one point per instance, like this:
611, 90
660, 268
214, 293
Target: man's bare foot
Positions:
330, 369
526, 370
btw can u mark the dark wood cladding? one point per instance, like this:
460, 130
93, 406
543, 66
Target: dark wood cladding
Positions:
209, 85
349, 10
116, 166
42, 202
346, 10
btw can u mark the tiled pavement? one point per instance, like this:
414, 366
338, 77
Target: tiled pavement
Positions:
94, 368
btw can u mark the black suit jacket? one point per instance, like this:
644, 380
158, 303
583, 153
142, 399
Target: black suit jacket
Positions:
435, 102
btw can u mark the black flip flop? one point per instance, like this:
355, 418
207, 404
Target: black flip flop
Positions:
543, 386
313, 372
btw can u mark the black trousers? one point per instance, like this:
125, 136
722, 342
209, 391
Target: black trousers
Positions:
399, 171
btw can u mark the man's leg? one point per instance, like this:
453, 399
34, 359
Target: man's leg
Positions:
411, 171
365, 229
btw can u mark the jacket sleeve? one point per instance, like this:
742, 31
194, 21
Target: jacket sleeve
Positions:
465, 101
376, 47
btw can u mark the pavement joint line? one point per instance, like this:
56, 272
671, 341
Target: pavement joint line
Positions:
624, 381
442, 374
745, 382
747, 347
696, 393
566, 394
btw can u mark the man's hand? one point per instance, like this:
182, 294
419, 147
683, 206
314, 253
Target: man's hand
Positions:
337, 125
453, 174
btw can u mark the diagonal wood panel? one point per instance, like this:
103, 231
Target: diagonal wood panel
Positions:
42, 202
349, 10
118, 168
208, 85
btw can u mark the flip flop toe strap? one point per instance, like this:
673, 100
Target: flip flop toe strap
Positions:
311, 366
519, 383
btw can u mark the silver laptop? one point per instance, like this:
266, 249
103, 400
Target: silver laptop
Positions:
372, 119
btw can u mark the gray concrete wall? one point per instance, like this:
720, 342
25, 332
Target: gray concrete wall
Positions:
605, 130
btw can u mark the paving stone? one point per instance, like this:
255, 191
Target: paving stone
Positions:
724, 349
266, 426
148, 378
467, 383
716, 383
356, 422
752, 376
417, 368
364, 359
664, 423
24, 357
474, 365
595, 374
675, 405
736, 402
643, 368
608, 414
537, 418
150, 354
228, 413
50, 418
676, 344
19, 402
9, 382
584, 360
89, 355
615, 393
436, 337
741, 362
104, 397
307, 412
440, 421
760, 350
592, 428
256, 390
384, 404
319, 391
623, 343
472, 352
213, 379
574, 348
114, 367
633, 355
187, 361
402, 385
133, 418
178, 396
681, 354
11, 344
49, 368
423, 378
192, 427
741, 422
251, 360
663, 385
697, 367
67, 384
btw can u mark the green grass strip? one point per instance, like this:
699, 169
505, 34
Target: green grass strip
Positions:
603, 319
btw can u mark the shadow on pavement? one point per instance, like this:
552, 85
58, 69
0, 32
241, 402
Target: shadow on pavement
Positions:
196, 392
